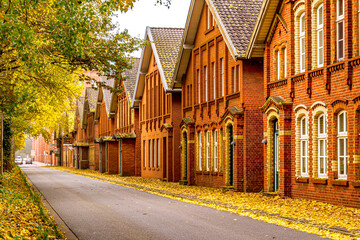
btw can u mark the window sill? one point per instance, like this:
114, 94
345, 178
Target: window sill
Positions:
198, 172
302, 179
320, 181
214, 173
340, 182
207, 173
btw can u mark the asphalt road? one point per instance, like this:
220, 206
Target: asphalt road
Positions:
94, 209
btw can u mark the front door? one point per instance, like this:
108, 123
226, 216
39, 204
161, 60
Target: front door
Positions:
184, 153
276, 155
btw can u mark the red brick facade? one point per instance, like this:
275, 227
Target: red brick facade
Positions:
222, 123
306, 92
159, 109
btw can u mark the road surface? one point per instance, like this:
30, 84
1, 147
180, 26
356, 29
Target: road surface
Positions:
94, 209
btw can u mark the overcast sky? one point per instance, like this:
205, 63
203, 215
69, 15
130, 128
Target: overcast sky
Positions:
145, 13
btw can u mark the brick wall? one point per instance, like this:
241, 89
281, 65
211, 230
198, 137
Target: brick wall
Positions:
332, 88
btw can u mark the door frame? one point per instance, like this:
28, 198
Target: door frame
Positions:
275, 158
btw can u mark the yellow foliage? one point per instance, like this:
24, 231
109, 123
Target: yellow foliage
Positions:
20, 215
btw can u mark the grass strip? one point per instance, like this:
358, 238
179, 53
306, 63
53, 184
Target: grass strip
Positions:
22, 214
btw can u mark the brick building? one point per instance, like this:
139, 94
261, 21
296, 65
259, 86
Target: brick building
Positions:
159, 104
221, 95
42, 151
91, 130
118, 128
127, 131
105, 119
312, 85
81, 145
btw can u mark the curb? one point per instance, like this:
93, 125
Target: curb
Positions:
154, 191
70, 235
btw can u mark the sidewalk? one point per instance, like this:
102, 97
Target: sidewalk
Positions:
40, 164
330, 221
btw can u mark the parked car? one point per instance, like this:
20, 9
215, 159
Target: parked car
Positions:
28, 161
18, 160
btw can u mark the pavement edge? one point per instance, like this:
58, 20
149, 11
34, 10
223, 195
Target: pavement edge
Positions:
70, 235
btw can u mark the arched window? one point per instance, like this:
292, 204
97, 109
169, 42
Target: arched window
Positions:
302, 42
215, 142
320, 35
342, 143
304, 143
322, 146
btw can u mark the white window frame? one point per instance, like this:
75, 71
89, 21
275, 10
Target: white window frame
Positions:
207, 166
199, 85
322, 138
340, 39
304, 153
206, 83
302, 37
200, 151
215, 142
214, 77
285, 63
319, 32
222, 72
278, 64
342, 136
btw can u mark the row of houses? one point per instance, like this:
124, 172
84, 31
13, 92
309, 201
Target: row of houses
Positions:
251, 96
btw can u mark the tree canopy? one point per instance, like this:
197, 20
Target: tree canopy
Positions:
47, 46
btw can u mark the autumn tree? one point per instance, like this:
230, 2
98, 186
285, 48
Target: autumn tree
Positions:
46, 46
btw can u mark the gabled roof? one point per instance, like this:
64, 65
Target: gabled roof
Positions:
129, 83
235, 20
105, 93
264, 23
91, 98
165, 45
80, 105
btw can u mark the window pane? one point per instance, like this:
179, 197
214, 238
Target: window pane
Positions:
341, 166
340, 39
303, 148
321, 167
303, 164
321, 148
303, 126
321, 124
340, 8
341, 147
320, 15
341, 122
320, 47
302, 24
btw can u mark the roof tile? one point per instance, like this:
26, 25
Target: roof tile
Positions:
167, 42
238, 17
